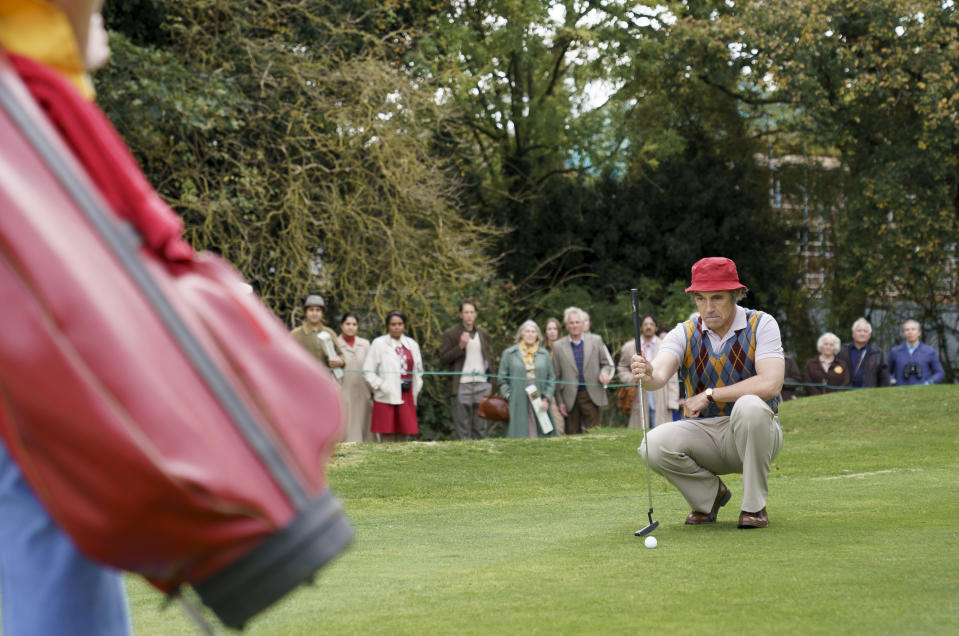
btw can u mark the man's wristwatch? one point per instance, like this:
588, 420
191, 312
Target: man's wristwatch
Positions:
709, 395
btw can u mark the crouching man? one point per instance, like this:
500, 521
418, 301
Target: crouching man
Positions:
731, 362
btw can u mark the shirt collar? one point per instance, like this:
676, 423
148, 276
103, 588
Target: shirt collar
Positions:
739, 322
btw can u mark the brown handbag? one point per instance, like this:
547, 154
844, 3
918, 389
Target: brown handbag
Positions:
493, 407
624, 399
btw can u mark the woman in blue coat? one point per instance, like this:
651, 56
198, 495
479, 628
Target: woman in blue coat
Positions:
527, 363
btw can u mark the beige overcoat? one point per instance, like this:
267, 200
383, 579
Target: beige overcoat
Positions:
357, 399
596, 360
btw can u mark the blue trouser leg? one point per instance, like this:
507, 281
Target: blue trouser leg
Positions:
46, 585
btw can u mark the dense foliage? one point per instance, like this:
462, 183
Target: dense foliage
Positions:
308, 169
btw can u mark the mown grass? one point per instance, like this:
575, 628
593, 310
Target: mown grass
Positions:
536, 536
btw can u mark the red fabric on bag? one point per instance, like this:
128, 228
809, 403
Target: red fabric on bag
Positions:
105, 157
109, 422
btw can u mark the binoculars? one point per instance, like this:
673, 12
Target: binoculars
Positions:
912, 370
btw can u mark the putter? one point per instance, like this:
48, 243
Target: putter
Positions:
634, 294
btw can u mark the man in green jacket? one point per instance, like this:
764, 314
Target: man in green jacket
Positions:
313, 334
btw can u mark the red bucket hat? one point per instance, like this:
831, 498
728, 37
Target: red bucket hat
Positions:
715, 273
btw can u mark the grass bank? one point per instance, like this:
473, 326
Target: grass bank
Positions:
536, 536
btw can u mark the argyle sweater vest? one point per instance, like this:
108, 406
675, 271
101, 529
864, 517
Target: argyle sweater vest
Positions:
735, 361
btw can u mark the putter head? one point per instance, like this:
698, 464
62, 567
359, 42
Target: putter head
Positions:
642, 533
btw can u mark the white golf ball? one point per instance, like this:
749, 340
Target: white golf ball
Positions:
651, 542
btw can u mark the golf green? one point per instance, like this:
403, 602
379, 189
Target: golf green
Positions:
536, 536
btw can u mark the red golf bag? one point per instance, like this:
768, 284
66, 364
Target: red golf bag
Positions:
157, 408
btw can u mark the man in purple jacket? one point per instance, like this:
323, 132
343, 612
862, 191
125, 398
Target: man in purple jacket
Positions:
914, 362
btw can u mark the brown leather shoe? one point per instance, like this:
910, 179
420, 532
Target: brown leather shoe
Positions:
753, 519
696, 518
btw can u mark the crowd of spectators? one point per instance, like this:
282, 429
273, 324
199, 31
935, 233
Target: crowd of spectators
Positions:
554, 379
861, 363
554, 383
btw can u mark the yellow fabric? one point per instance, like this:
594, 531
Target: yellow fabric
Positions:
529, 352
40, 31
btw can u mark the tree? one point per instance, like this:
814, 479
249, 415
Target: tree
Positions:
512, 70
578, 118
309, 170
527, 79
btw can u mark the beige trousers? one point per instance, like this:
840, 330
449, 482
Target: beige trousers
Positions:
690, 453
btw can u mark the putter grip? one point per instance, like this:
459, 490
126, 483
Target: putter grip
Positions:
634, 297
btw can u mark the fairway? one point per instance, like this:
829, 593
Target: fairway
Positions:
536, 536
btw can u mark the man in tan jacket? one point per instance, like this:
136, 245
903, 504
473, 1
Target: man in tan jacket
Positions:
583, 368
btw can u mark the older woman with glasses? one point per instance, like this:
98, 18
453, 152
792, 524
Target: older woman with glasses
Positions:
528, 382
826, 369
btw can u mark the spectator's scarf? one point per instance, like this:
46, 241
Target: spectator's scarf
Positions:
529, 352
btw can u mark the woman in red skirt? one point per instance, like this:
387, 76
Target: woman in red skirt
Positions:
394, 370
